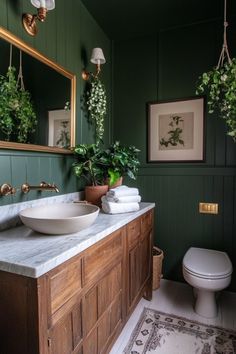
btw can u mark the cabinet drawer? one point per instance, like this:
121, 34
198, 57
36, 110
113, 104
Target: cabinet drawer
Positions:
64, 284
133, 232
100, 258
146, 222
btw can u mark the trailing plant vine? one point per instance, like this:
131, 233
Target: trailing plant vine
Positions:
220, 86
97, 106
17, 116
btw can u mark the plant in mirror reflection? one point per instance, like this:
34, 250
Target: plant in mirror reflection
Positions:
17, 115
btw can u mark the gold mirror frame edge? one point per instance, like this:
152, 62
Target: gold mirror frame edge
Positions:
8, 36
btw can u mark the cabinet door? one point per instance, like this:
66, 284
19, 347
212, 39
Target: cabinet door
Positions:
139, 258
102, 312
65, 337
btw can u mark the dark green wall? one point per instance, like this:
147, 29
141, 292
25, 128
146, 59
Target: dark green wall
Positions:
166, 67
67, 37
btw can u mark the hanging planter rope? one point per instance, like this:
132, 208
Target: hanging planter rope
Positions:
224, 52
20, 79
220, 85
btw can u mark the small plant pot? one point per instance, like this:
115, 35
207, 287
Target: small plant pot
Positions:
93, 194
117, 184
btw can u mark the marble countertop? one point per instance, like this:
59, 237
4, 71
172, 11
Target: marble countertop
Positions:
25, 252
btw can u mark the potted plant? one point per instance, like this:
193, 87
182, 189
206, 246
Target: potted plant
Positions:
120, 161
90, 164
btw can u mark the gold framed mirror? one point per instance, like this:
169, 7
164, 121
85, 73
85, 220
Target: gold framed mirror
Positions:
55, 105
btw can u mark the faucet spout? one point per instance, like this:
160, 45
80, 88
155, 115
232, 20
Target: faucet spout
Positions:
49, 187
25, 188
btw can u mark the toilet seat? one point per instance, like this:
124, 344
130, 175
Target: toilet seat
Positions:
207, 264
203, 276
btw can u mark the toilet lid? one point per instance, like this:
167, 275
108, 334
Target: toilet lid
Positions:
208, 263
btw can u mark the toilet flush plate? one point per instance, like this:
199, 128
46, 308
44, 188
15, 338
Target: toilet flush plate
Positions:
208, 208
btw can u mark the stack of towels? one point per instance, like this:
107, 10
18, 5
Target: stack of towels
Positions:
121, 199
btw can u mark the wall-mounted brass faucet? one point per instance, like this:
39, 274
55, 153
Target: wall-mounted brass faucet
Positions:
7, 189
25, 188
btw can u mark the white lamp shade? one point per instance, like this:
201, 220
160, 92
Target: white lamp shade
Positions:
48, 4
97, 56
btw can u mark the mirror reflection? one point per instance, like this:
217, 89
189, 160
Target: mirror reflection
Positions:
43, 117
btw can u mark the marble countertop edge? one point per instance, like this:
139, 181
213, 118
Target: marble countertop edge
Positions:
36, 267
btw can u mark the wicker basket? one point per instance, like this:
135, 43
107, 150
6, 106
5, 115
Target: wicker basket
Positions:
157, 267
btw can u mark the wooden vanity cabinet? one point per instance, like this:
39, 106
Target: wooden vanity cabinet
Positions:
140, 244
80, 306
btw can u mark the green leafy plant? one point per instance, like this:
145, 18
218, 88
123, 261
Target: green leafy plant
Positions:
96, 104
90, 163
17, 116
99, 166
120, 161
220, 86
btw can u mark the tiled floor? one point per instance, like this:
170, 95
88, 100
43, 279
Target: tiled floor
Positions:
176, 298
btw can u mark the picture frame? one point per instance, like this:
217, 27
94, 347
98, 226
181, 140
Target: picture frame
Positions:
59, 128
176, 130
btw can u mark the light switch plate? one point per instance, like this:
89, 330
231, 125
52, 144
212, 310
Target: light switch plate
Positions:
208, 208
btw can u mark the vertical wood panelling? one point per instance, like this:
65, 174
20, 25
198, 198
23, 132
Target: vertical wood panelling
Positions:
5, 173
18, 170
178, 223
14, 13
228, 214
59, 38
33, 175
61, 33
91, 36
182, 55
3, 13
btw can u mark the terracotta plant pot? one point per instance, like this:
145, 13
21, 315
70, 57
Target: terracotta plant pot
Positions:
117, 184
93, 194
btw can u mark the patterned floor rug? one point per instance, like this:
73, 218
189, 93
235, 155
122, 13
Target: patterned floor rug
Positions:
158, 332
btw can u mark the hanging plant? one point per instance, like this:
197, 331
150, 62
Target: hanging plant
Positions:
17, 116
97, 106
8, 101
220, 86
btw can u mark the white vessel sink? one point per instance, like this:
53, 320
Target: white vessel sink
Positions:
58, 219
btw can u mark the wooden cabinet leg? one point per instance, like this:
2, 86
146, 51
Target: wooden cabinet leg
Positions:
148, 291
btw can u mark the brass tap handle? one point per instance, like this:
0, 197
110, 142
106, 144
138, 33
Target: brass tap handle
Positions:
25, 188
7, 189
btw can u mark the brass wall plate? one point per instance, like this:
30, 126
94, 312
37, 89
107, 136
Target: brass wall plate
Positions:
208, 208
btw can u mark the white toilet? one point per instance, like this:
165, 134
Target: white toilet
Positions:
208, 271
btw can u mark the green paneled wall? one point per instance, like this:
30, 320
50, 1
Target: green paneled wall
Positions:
67, 37
162, 67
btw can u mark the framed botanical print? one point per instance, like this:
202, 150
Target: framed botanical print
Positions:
59, 128
176, 130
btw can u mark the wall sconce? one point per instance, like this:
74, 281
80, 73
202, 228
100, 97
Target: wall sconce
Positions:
97, 58
29, 21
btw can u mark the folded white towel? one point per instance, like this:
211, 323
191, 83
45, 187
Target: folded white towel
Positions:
125, 199
118, 208
122, 191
